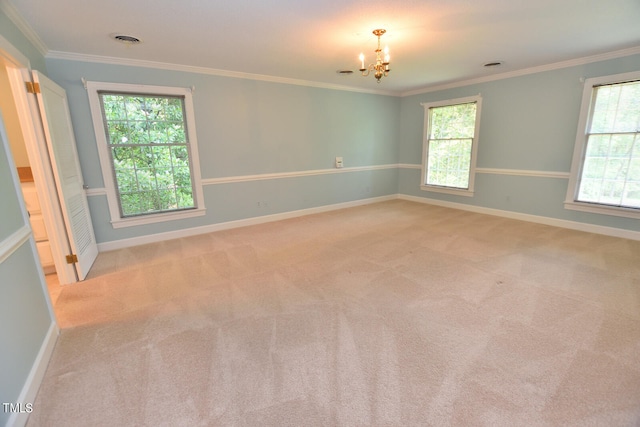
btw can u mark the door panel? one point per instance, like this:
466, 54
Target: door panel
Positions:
58, 132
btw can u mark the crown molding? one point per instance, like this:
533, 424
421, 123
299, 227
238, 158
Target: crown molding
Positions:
70, 56
525, 71
12, 13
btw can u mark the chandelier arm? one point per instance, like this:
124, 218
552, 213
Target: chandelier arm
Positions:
381, 67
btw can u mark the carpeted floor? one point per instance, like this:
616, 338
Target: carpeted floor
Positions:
392, 314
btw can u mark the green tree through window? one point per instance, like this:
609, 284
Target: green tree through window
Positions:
148, 143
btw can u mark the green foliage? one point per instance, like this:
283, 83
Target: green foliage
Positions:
150, 152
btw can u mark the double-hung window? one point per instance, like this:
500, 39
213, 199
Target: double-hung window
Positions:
450, 145
148, 152
605, 174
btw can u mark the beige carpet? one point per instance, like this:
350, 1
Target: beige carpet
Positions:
393, 314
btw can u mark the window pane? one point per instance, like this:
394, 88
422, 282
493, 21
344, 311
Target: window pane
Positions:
182, 177
174, 109
453, 121
134, 108
175, 133
616, 108
449, 163
632, 195
149, 151
118, 132
114, 107
185, 197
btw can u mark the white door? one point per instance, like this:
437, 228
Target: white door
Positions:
58, 133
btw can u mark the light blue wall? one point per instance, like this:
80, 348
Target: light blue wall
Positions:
9, 31
249, 127
25, 317
528, 123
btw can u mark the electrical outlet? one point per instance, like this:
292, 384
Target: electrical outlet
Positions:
339, 162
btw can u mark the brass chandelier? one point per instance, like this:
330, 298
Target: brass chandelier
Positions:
381, 66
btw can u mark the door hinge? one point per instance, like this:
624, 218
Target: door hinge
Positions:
33, 87
72, 259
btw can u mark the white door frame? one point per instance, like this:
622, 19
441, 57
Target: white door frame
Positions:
19, 71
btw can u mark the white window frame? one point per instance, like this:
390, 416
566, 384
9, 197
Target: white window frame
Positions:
577, 162
105, 158
474, 146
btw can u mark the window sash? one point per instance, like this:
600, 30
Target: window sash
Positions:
450, 145
451, 169
610, 165
162, 191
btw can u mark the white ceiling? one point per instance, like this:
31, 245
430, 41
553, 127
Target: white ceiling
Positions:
432, 42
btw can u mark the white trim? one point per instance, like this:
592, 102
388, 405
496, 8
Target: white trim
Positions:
554, 222
11, 244
498, 171
275, 175
34, 380
522, 172
101, 191
409, 166
603, 209
203, 70
70, 56
96, 191
26, 29
105, 158
159, 237
296, 174
447, 190
525, 71
155, 218
573, 225
33, 37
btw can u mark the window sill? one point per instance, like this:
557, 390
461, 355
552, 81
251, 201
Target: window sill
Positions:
602, 209
155, 218
445, 190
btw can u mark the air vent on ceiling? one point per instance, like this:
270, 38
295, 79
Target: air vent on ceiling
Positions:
126, 39
344, 72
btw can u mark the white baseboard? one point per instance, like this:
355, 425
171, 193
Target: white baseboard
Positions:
573, 225
136, 241
32, 384
563, 223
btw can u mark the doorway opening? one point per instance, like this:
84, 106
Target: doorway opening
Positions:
36, 114
8, 107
